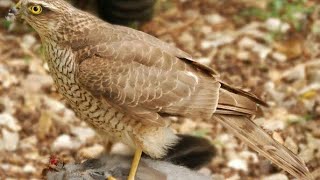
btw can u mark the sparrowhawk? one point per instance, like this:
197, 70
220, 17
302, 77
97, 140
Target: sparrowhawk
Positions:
124, 83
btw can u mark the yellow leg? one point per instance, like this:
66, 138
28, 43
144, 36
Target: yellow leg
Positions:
111, 178
135, 164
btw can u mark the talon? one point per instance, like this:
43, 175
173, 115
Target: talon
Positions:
111, 178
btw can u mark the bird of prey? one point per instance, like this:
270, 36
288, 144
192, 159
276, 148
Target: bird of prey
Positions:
124, 83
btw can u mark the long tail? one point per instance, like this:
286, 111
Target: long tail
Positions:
260, 141
234, 108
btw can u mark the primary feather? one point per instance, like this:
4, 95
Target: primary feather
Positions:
260, 141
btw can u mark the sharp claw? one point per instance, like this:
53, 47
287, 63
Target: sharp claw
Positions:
111, 178
18, 5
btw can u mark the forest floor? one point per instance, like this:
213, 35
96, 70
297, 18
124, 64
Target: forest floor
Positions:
267, 48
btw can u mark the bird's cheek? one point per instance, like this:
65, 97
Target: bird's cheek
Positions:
33, 23
28, 20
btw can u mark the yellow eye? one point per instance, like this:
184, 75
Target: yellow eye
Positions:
35, 9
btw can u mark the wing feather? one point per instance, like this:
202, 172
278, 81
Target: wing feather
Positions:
147, 78
145, 85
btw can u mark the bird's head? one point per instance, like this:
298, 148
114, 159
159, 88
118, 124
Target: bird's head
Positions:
45, 16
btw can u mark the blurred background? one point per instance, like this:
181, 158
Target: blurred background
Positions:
269, 47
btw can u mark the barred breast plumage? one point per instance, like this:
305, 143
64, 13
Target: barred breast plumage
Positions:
62, 67
103, 117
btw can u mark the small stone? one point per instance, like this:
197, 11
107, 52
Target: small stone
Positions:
204, 60
279, 56
187, 126
238, 164
274, 76
249, 156
276, 177
274, 124
29, 169
285, 27
28, 41
191, 13
313, 143
10, 122
295, 74
275, 24
243, 55
188, 40
219, 40
56, 106
227, 141
214, 19
7, 79
10, 140
11, 168
29, 142
205, 171
35, 83
9, 105
218, 177
262, 50
206, 30
252, 30
234, 177
83, 133
92, 152
65, 142
247, 43
34, 156
270, 88
307, 154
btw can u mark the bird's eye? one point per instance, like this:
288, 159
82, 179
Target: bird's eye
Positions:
35, 9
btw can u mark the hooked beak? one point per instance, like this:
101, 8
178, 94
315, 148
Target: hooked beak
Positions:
14, 12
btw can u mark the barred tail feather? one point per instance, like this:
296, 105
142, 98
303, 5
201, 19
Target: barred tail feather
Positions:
261, 142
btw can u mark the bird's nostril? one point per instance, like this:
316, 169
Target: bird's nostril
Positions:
12, 14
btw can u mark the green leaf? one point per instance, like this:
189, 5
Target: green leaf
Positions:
255, 12
6, 24
276, 7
